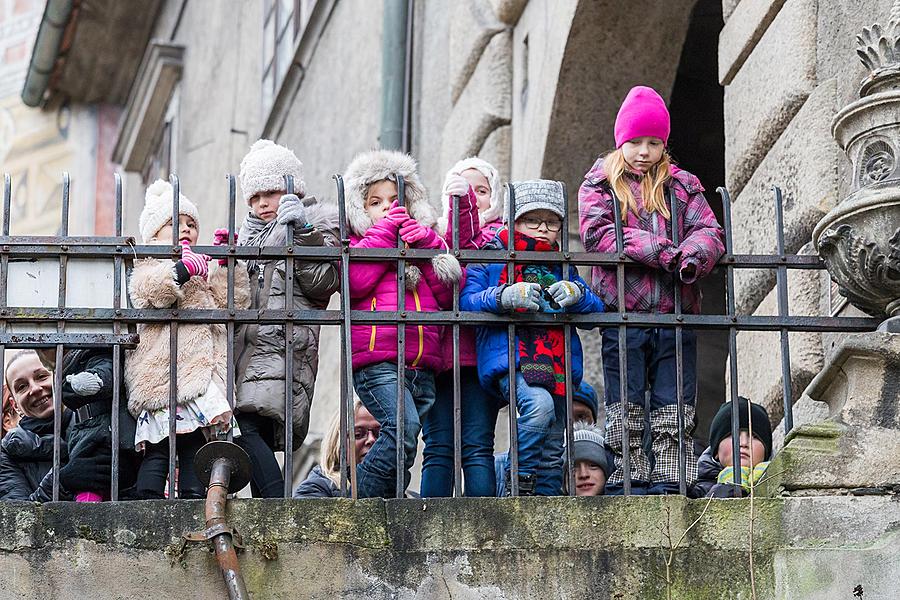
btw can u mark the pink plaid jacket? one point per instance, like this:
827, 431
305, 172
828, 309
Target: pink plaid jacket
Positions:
649, 287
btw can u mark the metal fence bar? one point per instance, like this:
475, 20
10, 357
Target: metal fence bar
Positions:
732, 345
401, 352
173, 343
4, 276
289, 353
782, 287
60, 328
512, 350
623, 348
115, 428
457, 408
679, 354
230, 265
347, 418
567, 343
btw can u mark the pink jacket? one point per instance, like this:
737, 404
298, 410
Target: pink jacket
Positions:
373, 287
472, 236
649, 286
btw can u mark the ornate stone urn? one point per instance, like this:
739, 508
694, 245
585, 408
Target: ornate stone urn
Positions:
859, 239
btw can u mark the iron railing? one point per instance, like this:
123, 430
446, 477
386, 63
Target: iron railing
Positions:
122, 321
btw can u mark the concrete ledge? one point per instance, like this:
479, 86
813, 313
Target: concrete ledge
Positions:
465, 548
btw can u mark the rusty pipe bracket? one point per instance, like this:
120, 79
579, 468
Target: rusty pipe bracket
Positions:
209, 533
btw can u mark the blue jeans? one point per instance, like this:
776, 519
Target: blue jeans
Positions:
539, 427
376, 386
478, 417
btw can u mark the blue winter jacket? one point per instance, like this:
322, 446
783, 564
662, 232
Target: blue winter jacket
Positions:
482, 293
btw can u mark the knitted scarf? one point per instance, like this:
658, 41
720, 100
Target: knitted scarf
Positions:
541, 350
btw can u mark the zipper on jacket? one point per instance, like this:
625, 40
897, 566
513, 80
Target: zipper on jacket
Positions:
421, 329
372, 335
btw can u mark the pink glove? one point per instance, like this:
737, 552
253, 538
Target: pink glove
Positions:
397, 215
416, 234
220, 238
193, 262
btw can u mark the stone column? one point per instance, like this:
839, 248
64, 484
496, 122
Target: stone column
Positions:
858, 446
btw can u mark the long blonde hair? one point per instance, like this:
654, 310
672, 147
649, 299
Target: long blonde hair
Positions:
330, 453
652, 184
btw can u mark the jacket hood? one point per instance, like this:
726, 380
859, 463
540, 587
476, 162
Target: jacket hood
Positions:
377, 165
708, 466
495, 211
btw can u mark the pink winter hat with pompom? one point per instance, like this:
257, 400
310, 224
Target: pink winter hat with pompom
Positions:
642, 113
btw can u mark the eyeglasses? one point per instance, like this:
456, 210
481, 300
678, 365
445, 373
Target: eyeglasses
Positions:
551, 224
361, 433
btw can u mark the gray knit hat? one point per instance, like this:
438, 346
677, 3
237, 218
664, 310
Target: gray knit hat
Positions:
538, 194
158, 209
264, 167
590, 445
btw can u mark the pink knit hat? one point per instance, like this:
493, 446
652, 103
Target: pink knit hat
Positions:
642, 113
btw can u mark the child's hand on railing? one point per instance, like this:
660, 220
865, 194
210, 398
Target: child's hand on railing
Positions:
220, 238
565, 293
291, 211
194, 263
521, 296
455, 185
417, 235
85, 383
396, 215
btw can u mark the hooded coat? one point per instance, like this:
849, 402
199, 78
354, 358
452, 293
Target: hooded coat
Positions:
373, 285
649, 286
26, 460
201, 355
260, 347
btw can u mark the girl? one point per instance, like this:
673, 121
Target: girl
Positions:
202, 409
261, 353
475, 185
376, 221
324, 479
639, 175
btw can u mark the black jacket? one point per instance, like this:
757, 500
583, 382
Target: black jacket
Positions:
26, 460
707, 485
317, 485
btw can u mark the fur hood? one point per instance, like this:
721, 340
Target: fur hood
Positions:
495, 212
377, 165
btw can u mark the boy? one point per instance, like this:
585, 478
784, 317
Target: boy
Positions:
592, 465
716, 464
540, 372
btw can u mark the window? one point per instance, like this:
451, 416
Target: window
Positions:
161, 162
283, 26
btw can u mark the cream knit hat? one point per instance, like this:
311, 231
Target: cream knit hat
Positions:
264, 167
158, 209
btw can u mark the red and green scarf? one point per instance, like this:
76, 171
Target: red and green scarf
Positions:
541, 349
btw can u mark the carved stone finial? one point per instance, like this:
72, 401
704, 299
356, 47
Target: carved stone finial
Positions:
879, 49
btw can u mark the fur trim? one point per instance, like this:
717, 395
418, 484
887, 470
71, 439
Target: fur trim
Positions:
413, 275
264, 167
447, 268
495, 211
153, 285
378, 165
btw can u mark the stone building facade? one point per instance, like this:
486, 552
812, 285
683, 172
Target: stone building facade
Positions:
530, 85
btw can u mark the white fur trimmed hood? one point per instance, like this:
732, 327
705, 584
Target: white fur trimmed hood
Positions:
495, 212
377, 165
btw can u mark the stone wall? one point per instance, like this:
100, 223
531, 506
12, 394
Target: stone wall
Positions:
652, 547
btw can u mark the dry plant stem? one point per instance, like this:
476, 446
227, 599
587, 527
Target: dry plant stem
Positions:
752, 495
674, 547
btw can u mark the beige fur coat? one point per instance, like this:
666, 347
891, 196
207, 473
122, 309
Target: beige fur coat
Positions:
202, 347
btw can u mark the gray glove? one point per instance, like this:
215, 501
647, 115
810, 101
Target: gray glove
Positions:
85, 383
521, 295
565, 293
291, 210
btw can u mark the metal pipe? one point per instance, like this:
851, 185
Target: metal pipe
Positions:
400, 490
783, 311
679, 353
46, 50
216, 497
512, 350
623, 348
395, 50
347, 418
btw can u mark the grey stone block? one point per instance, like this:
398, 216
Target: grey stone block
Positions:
484, 105
472, 25
740, 34
497, 149
769, 89
509, 11
803, 163
806, 411
728, 8
759, 352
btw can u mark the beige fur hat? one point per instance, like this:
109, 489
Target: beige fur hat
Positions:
264, 167
158, 209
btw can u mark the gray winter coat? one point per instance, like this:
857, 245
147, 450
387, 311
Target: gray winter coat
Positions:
260, 349
317, 485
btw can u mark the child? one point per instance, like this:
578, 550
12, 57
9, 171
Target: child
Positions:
540, 372
325, 478
202, 409
261, 352
475, 185
639, 176
716, 465
591, 460
376, 221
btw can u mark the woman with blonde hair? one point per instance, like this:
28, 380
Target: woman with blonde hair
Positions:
325, 478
